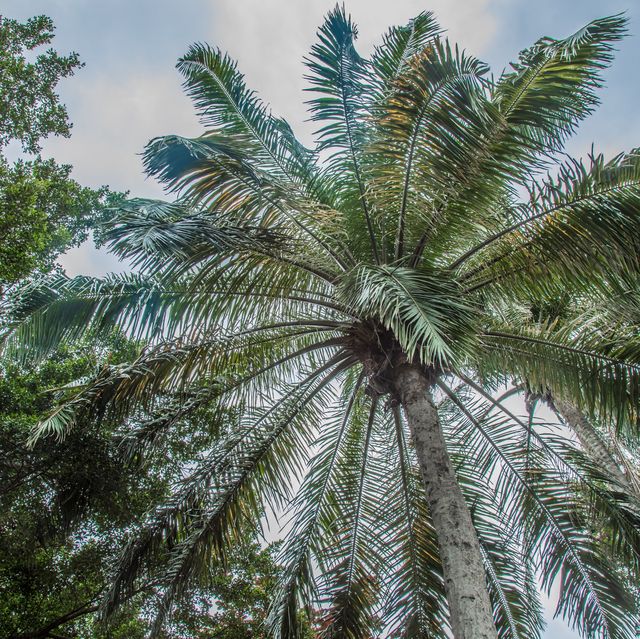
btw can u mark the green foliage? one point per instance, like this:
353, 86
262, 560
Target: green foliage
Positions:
29, 107
65, 505
235, 602
43, 211
285, 288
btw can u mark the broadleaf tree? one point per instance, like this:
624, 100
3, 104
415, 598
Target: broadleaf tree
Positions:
66, 506
353, 307
43, 211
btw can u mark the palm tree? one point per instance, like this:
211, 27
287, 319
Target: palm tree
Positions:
352, 308
610, 326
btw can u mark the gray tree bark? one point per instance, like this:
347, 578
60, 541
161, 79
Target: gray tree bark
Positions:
464, 573
592, 443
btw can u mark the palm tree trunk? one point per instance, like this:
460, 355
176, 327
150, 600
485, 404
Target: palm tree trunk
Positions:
464, 573
592, 443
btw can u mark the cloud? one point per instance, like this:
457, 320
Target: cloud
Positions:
269, 39
88, 260
114, 119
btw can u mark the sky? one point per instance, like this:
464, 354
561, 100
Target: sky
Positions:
129, 91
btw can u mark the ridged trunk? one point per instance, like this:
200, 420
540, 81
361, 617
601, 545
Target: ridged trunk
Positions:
464, 573
592, 442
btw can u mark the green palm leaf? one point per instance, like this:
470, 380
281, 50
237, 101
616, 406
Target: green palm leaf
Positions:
316, 305
230, 485
225, 105
605, 386
399, 46
350, 581
339, 75
532, 111
419, 308
584, 220
314, 515
427, 131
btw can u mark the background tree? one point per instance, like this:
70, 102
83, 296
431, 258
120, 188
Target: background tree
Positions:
42, 210
347, 314
609, 325
235, 602
66, 505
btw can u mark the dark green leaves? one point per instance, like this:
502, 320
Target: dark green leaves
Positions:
422, 310
29, 106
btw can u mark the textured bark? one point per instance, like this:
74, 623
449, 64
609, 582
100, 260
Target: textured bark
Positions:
464, 573
592, 443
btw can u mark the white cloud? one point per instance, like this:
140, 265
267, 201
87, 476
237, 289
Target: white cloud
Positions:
113, 122
114, 117
88, 260
270, 38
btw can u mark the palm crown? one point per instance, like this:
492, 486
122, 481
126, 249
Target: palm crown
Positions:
321, 297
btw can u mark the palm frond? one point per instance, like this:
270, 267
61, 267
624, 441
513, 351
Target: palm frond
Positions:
315, 514
532, 110
213, 365
583, 221
143, 229
209, 173
426, 132
47, 311
399, 46
247, 290
552, 86
255, 462
421, 309
558, 538
350, 583
603, 502
610, 323
340, 76
228, 108
606, 387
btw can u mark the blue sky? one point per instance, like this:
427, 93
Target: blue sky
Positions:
129, 90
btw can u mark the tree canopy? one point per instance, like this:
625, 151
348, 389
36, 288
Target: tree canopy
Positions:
67, 505
43, 211
351, 319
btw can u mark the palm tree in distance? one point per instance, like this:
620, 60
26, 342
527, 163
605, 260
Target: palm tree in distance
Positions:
611, 324
349, 311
